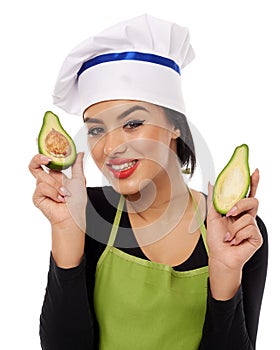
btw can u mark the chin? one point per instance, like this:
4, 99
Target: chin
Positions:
131, 187
125, 188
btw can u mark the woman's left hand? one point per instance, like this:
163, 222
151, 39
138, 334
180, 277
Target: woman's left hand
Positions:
232, 239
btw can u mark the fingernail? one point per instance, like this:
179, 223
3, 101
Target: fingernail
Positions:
227, 237
231, 211
233, 242
61, 199
45, 159
64, 191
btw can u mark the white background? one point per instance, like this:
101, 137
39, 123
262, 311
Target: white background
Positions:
232, 96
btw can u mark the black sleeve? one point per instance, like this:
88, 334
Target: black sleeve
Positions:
233, 324
66, 321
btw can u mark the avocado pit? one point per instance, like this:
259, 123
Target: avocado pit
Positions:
57, 144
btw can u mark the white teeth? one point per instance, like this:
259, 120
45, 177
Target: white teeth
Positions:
124, 166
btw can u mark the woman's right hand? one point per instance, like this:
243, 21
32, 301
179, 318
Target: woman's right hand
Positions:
63, 201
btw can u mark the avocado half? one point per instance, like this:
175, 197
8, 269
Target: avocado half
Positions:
54, 142
233, 182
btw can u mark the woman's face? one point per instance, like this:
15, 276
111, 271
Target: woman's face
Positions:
131, 142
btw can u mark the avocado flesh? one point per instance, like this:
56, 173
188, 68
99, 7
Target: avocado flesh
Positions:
54, 142
233, 182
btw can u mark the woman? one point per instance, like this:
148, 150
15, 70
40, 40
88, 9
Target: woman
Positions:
131, 264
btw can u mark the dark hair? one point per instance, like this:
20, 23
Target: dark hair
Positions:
185, 144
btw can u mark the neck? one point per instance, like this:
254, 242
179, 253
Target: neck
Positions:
168, 187
159, 207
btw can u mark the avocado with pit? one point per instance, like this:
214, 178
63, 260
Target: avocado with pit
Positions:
54, 142
233, 182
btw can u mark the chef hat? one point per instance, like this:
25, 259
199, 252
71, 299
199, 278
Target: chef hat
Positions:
138, 59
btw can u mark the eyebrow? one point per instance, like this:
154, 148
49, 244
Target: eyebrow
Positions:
120, 117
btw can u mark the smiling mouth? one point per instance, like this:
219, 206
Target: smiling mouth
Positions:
124, 166
123, 170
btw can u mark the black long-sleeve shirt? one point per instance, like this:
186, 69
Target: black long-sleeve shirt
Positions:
68, 320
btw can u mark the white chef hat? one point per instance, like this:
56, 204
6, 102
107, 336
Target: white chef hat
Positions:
138, 59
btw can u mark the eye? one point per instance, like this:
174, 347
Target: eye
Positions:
133, 124
96, 131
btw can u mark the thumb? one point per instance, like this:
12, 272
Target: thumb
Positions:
255, 178
212, 213
78, 168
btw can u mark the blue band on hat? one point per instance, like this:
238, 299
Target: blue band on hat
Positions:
130, 55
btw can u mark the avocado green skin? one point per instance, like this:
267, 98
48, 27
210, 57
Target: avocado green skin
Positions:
56, 165
246, 188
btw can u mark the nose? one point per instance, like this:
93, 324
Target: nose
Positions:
114, 143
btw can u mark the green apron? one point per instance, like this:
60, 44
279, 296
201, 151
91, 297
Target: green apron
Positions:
144, 305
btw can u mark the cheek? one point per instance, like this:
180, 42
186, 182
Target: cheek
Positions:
96, 148
154, 151
156, 143
162, 134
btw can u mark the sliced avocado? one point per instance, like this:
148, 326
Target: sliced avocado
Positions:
233, 182
54, 142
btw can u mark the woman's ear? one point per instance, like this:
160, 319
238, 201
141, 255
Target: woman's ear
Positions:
176, 133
